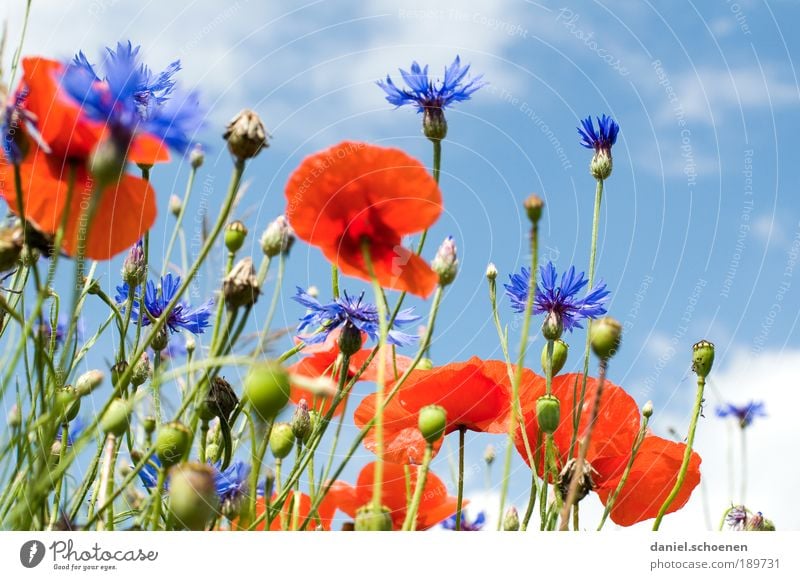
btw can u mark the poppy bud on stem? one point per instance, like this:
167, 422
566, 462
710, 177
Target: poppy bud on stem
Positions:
702, 360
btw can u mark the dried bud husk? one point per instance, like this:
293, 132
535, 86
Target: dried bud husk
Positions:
10, 247
172, 442
266, 388
702, 358
560, 352
432, 422
605, 335
548, 413
368, 519
246, 135
235, 235
434, 125
585, 484
511, 520
277, 238
533, 205
88, 382
240, 286
220, 401
281, 440
192, 496
445, 263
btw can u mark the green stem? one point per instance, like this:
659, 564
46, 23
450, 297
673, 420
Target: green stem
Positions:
410, 523
59, 484
687, 454
462, 431
335, 281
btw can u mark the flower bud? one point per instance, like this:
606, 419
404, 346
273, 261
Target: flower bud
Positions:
191, 344
489, 454
553, 326
117, 418
702, 358
445, 263
368, 519
235, 234
172, 442
601, 164
142, 371
197, 156
313, 291
107, 162
533, 207
647, 410
67, 404
424, 364
88, 382
117, 371
432, 422
175, 205
14, 417
246, 135
281, 440
240, 286
277, 238
220, 401
149, 424
511, 520
350, 339
434, 125
160, 340
491, 271
301, 421
560, 352
269, 482
605, 335
548, 413
266, 388
192, 496
10, 247
134, 268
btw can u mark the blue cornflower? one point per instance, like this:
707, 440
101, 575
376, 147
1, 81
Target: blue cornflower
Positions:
603, 138
348, 309
427, 94
149, 473
183, 316
14, 118
475, 525
559, 300
133, 99
231, 484
745, 413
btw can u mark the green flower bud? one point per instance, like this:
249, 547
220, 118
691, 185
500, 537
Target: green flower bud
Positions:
434, 125
424, 364
647, 410
370, 520
117, 371
445, 263
191, 344
88, 382
246, 135
197, 156
266, 387
702, 358
548, 413
117, 418
511, 520
278, 238
192, 496
160, 340
142, 371
432, 422
533, 207
553, 326
149, 424
172, 442
350, 339
560, 352
235, 234
107, 162
491, 271
605, 335
175, 205
67, 404
281, 440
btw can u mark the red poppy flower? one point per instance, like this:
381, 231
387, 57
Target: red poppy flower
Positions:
352, 191
475, 394
436, 504
127, 208
655, 469
320, 360
287, 518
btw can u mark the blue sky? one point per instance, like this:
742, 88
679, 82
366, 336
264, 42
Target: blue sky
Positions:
700, 228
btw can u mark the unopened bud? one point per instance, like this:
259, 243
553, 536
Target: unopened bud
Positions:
266, 388
134, 268
117, 371
560, 352
647, 410
107, 162
88, 382
605, 335
548, 413
445, 263
67, 404
142, 371
197, 156
533, 205
235, 234
702, 358
489, 454
192, 496
301, 421
511, 520
281, 440
491, 271
175, 205
160, 340
14, 417
117, 418
246, 135
277, 238
368, 519
432, 422
172, 443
